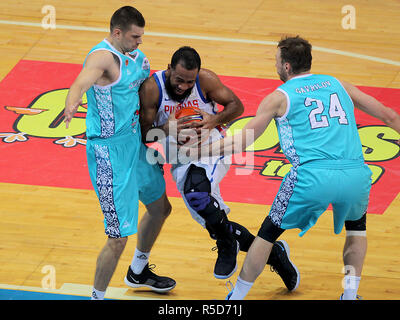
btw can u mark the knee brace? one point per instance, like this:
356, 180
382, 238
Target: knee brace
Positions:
197, 189
357, 227
269, 231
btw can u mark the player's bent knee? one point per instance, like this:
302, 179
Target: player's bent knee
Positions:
269, 231
356, 233
357, 227
197, 189
198, 201
117, 244
160, 208
197, 192
168, 210
196, 180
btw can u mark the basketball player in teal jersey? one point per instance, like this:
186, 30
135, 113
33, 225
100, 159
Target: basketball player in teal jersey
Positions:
185, 83
318, 134
112, 74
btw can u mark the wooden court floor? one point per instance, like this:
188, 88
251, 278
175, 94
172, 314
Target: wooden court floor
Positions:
62, 228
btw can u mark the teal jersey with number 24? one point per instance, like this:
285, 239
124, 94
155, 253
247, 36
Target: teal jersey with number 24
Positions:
319, 122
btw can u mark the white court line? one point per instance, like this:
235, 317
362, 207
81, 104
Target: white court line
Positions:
208, 38
79, 290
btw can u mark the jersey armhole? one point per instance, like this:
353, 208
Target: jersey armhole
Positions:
287, 105
200, 91
120, 69
160, 95
344, 89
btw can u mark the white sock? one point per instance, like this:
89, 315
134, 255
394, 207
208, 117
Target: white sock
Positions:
98, 295
139, 261
241, 289
350, 285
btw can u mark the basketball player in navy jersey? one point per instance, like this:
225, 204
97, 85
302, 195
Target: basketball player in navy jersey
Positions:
186, 84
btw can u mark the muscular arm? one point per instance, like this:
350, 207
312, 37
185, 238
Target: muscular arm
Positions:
97, 65
149, 96
215, 90
373, 107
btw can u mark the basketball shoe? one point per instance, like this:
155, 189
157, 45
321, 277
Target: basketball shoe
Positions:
149, 279
226, 263
280, 263
358, 297
278, 259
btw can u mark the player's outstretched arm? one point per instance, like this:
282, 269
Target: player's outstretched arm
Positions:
273, 105
373, 107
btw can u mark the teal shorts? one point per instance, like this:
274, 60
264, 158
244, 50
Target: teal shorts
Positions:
307, 191
121, 177
112, 166
150, 176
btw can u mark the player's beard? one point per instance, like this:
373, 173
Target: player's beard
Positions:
282, 75
172, 94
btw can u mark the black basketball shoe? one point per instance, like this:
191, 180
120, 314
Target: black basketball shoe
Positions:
280, 263
149, 279
226, 263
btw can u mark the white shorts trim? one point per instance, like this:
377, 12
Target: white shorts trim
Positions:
350, 233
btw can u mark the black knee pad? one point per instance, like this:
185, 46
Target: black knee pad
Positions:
269, 231
196, 180
357, 225
197, 189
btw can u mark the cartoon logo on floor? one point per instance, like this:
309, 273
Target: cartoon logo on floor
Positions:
33, 135
44, 118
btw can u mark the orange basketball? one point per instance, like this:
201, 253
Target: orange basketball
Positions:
193, 115
192, 112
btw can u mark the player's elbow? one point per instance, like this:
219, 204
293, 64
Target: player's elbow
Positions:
239, 109
390, 117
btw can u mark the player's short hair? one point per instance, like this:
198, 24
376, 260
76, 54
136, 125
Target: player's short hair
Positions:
297, 52
187, 57
124, 17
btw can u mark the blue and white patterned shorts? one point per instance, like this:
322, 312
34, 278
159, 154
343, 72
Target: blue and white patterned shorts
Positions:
112, 167
308, 190
121, 177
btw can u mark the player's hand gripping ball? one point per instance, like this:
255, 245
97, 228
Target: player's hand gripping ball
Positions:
193, 115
